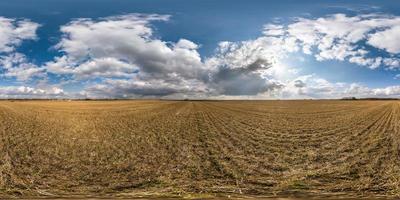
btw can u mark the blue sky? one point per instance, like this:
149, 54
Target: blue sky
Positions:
199, 68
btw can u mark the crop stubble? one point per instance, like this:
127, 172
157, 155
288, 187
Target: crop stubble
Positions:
178, 147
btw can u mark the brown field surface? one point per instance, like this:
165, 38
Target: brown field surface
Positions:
199, 148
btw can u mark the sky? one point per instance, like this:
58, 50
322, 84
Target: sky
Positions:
199, 49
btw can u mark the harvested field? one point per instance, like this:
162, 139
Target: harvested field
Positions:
199, 148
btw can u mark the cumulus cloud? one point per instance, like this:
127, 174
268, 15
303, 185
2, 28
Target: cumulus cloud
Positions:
131, 62
389, 39
314, 87
393, 63
13, 92
93, 68
12, 33
129, 40
244, 68
341, 37
112, 88
17, 65
245, 80
363, 91
128, 51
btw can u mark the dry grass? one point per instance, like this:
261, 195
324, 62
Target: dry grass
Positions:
122, 148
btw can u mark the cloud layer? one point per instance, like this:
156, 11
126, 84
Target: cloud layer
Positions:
121, 57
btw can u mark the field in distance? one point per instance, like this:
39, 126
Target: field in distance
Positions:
199, 148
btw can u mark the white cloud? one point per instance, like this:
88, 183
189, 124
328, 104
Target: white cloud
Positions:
312, 86
273, 30
394, 63
93, 68
186, 44
128, 50
135, 63
247, 68
17, 65
388, 39
30, 92
12, 33
112, 88
341, 37
391, 91
129, 39
371, 62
